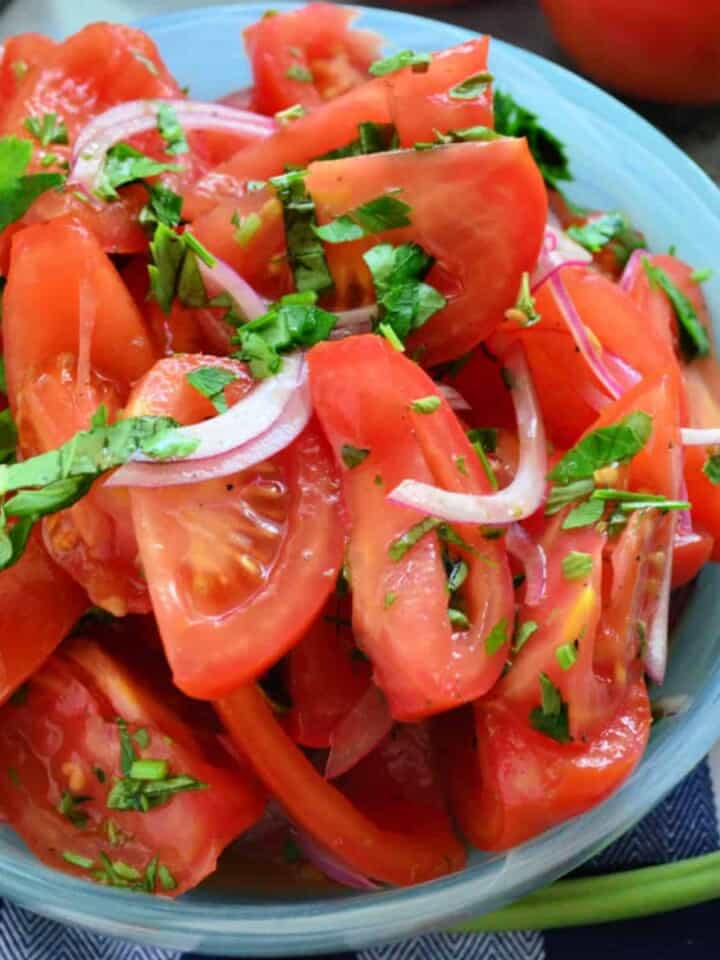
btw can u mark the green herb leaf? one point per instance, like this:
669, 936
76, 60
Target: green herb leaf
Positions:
404, 301
472, 87
143, 795
47, 129
399, 547
403, 58
702, 275
211, 383
603, 447
127, 751
389, 599
174, 271
353, 456
457, 576
630, 500
304, 249
167, 880
497, 637
163, 206
487, 437
123, 165
561, 495
245, 227
300, 73
149, 769
372, 138
576, 565
694, 339
711, 468
566, 655
584, 515
523, 632
551, 717
383, 213
68, 807
597, 232
77, 860
458, 618
476, 438
426, 404
512, 120
286, 116
49, 499
8, 436
171, 130
19, 191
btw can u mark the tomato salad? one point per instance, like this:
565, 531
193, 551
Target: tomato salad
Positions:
347, 467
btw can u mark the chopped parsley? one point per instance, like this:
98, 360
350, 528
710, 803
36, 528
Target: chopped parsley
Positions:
403, 58
694, 339
171, 130
426, 404
523, 632
400, 546
576, 565
304, 249
372, 138
286, 116
18, 189
47, 129
603, 447
8, 436
458, 618
472, 87
477, 438
123, 165
561, 495
630, 500
389, 599
512, 120
405, 302
77, 860
174, 271
300, 73
163, 206
383, 213
566, 655
584, 515
211, 383
702, 275
457, 575
497, 637
68, 806
245, 227
711, 468
551, 717
353, 456
611, 230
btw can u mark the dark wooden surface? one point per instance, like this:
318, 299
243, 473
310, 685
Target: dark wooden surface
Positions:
696, 130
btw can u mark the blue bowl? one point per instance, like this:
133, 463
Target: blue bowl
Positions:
620, 161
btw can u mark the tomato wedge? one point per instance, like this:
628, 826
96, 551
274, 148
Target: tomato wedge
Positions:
238, 567
459, 226
67, 789
423, 849
407, 596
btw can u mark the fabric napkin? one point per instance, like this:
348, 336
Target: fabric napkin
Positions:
685, 824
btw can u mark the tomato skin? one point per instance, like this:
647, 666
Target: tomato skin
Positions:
426, 850
442, 668
690, 554
656, 51
521, 782
66, 729
477, 177
55, 604
18, 56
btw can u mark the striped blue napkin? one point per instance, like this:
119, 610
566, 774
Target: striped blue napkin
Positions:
684, 825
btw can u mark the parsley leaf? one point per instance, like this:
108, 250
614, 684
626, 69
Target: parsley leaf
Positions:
174, 270
472, 87
584, 515
561, 495
163, 206
300, 73
576, 565
19, 191
68, 807
512, 120
403, 58
551, 717
694, 339
497, 637
304, 249
245, 227
523, 632
47, 129
405, 302
211, 383
123, 165
602, 447
426, 404
566, 655
383, 213
711, 468
171, 130
130, 793
353, 456
294, 321
611, 229
400, 546
372, 138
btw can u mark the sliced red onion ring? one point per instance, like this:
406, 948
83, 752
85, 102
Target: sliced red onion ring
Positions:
221, 278
350, 322
456, 400
693, 437
520, 498
238, 439
656, 646
613, 376
359, 732
137, 116
631, 269
531, 555
558, 251
329, 864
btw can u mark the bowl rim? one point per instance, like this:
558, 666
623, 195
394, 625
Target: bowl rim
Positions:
327, 924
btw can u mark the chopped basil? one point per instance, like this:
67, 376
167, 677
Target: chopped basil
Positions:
130, 793
472, 87
100, 774
77, 860
353, 456
296, 71
551, 717
211, 383
426, 404
702, 275
286, 116
163, 206
512, 120
711, 468
603, 447
694, 339
123, 165
245, 227
383, 213
611, 230
523, 632
174, 270
294, 321
171, 130
563, 494
405, 302
457, 575
461, 464
566, 655
47, 129
19, 190
458, 618
389, 599
304, 249
127, 751
68, 807
141, 738
576, 565
399, 547
403, 58
497, 637
372, 138
584, 515
476, 439
487, 437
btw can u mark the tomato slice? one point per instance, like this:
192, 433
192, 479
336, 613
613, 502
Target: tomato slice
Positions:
518, 782
56, 604
18, 56
459, 226
61, 753
423, 849
238, 567
307, 56
408, 596
690, 554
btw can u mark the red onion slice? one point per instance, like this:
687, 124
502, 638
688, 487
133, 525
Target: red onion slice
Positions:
329, 864
531, 555
456, 400
656, 646
693, 437
558, 251
359, 732
288, 411
350, 322
631, 269
137, 116
519, 499
221, 278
